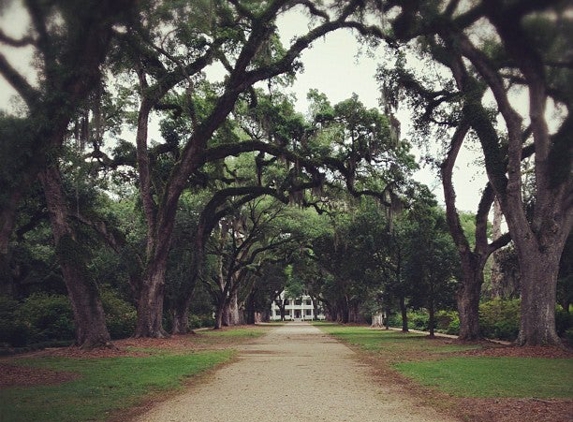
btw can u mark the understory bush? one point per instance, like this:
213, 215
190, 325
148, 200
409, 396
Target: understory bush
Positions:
419, 320
13, 332
120, 316
47, 317
201, 321
563, 322
448, 322
499, 319
395, 320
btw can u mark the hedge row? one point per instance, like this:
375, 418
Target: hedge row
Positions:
43, 320
48, 319
499, 319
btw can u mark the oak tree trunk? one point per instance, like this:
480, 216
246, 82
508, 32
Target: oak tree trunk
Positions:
404, 312
468, 298
181, 316
432, 319
233, 310
89, 318
377, 320
150, 303
344, 311
220, 318
538, 298
497, 281
250, 312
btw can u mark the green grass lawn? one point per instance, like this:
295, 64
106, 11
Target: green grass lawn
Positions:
242, 333
514, 377
104, 385
436, 364
228, 337
393, 344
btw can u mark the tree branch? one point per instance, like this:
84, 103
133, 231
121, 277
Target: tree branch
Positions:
12, 42
18, 82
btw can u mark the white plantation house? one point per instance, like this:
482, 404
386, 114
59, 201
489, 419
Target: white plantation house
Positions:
299, 309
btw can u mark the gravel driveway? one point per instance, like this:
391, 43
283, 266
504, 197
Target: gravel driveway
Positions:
294, 373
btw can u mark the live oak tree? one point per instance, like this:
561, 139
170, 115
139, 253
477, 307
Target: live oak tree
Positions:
242, 37
243, 243
439, 108
499, 46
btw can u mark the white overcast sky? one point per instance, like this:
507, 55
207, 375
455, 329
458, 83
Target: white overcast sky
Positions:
331, 66
335, 67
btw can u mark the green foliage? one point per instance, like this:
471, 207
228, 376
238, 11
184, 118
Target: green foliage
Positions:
120, 316
16, 150
419, 320
495, 377
563, 321
432, 263
47, 318
568, 335
499, 319
201, 321
13, 332
104, 385
448, 322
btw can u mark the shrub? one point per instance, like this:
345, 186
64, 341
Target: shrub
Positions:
563, 321
120, 316
208, 321
499, 319
454, 327
419, 320
47, 318
13, 332
568, 335
447, 322
395, 320
200, 321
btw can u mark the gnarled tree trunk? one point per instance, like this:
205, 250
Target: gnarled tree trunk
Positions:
468, 298
404, 312
89, 318
150, 303
539, 268
233, 306
181, 318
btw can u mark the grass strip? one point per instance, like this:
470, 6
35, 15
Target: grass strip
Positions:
514, 377
393, 344
437, 364
228, 337
105, 385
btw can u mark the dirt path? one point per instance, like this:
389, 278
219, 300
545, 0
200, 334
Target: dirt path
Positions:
295, 373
